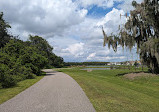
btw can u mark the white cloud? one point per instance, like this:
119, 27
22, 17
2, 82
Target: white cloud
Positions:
42, 17
110, 58
99, 3
90, 34
91, 56
66, 26
127, 5
112, 20
76, 49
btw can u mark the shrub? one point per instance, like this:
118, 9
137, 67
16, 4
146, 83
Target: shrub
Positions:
34, 69
31, 76
9, 80
6, 79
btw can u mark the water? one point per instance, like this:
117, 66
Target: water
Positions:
98, 66
96, 69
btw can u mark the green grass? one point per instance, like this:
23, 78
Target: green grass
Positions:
8, 93
109, 92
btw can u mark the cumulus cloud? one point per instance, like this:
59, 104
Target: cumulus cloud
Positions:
65, 24
76, 49
127, 5
89, 32
42, 17
112, 20
91, 56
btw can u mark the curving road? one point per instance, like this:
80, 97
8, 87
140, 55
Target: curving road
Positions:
56, 92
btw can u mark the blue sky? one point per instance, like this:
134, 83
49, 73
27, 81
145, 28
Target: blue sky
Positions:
99, 12
72, 27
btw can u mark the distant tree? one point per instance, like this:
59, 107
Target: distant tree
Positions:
58, 62
141, 30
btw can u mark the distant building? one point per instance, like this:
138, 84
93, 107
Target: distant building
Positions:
114, 63
118, 63
130, 63
127, 63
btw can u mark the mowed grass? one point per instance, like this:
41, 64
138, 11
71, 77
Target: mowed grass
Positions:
8, 93
110, 92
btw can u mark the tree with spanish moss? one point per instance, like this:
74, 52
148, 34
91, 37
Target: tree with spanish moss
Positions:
141, 30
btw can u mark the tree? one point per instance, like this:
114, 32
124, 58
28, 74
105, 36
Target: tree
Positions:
45, 49
141, 30
4, 36
41, 44
21, 60
58, 62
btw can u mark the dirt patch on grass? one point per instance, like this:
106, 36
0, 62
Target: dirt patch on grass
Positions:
133, 76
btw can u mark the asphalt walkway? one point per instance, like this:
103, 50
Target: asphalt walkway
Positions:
56, 92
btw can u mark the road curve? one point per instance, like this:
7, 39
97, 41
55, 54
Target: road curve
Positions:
56, 92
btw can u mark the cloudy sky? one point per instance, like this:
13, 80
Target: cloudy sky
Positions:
72, 27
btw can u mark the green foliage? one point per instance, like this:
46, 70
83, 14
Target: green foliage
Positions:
58, 62
13, 48
6, 79
31, 76
45, 50
42, 45
4, 58
4, 36
9, 80
21, 60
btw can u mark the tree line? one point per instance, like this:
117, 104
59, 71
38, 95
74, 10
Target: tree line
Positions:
84, 63
20, 60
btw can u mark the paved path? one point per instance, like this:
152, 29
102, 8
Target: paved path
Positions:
56, 92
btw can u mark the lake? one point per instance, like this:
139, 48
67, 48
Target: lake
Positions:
95, 69
98, 66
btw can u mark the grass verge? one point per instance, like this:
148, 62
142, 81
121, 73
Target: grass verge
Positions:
8, 93
110, 92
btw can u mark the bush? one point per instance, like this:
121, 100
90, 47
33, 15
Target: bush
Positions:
31, 76
34, 69
6, 79
9, 80
27, 72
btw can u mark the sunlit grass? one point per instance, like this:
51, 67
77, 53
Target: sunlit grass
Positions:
110, 92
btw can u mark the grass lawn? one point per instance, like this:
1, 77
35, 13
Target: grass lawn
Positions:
7, 93
113, 93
